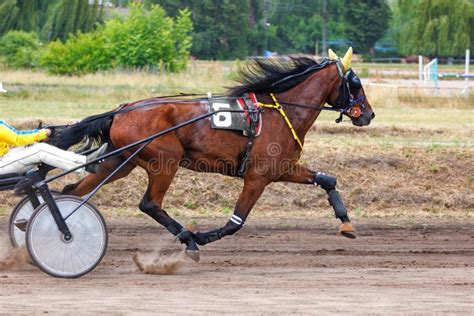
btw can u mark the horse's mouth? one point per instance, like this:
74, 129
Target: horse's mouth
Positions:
363, 120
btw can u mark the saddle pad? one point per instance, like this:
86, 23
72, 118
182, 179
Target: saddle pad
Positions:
238, 121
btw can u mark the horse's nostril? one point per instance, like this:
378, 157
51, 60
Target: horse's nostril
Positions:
372, 116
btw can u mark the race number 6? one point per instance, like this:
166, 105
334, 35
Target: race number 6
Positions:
222, 119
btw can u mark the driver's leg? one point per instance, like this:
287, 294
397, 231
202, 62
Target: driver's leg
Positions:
22, 159
10, 162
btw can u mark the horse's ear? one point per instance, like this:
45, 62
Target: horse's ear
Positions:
332, 55
346, 61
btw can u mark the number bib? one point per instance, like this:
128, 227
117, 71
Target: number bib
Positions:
238, 121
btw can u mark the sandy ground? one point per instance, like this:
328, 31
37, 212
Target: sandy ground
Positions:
277, 267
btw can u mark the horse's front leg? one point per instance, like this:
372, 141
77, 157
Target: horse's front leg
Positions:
301, 174
253, 189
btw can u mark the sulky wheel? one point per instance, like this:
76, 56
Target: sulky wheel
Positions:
21, 214
67, 259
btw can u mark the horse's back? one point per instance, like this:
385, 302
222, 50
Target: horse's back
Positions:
200, 147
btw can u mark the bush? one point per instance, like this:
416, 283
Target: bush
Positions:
150, 39
146, 38
81, 54
20, 49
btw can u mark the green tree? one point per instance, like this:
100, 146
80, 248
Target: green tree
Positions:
296, 25
71, 16
225, 29
366, 22
222, 28
25, 15
471, 25
434, 28
52, 19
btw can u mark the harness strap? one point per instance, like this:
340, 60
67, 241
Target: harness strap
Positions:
253, 115
340, 68
278, 107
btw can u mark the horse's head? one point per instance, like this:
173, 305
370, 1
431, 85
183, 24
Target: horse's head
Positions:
348, 93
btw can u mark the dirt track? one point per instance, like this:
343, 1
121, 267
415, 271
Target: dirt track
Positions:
277, 267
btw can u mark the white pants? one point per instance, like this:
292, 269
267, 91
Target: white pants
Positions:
24, 158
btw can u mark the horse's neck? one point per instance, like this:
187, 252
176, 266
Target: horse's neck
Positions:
313, 92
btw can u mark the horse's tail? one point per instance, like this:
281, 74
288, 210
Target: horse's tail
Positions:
94, 128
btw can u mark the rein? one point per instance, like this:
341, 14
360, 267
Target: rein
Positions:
122, 109
351, 109
346, 104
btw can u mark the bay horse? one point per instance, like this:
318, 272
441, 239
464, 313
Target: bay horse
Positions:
292, 92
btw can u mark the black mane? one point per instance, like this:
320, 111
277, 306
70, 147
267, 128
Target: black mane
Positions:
263, 75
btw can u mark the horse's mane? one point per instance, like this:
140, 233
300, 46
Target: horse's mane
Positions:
263, 75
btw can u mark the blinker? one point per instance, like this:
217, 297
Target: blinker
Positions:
354, 81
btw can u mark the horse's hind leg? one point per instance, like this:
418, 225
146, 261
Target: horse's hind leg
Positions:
253, 189
151, 205
301, 174
87, 184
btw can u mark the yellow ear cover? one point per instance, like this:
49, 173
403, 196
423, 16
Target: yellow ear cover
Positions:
332, 54
346, 61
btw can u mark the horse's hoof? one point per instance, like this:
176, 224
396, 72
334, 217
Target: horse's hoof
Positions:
348, 235
193, 254
346, 230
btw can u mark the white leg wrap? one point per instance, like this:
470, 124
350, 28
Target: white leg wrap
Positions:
236, 220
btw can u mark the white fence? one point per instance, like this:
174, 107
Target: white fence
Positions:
429, 72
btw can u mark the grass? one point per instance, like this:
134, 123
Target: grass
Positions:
35, 95
415, 160
4, 211
404, 115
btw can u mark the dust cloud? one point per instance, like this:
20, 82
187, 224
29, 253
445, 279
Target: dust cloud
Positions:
12, 258
159, 263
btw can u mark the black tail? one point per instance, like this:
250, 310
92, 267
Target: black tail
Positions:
95, 128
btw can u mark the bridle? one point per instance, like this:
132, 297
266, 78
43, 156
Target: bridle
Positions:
346, 103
